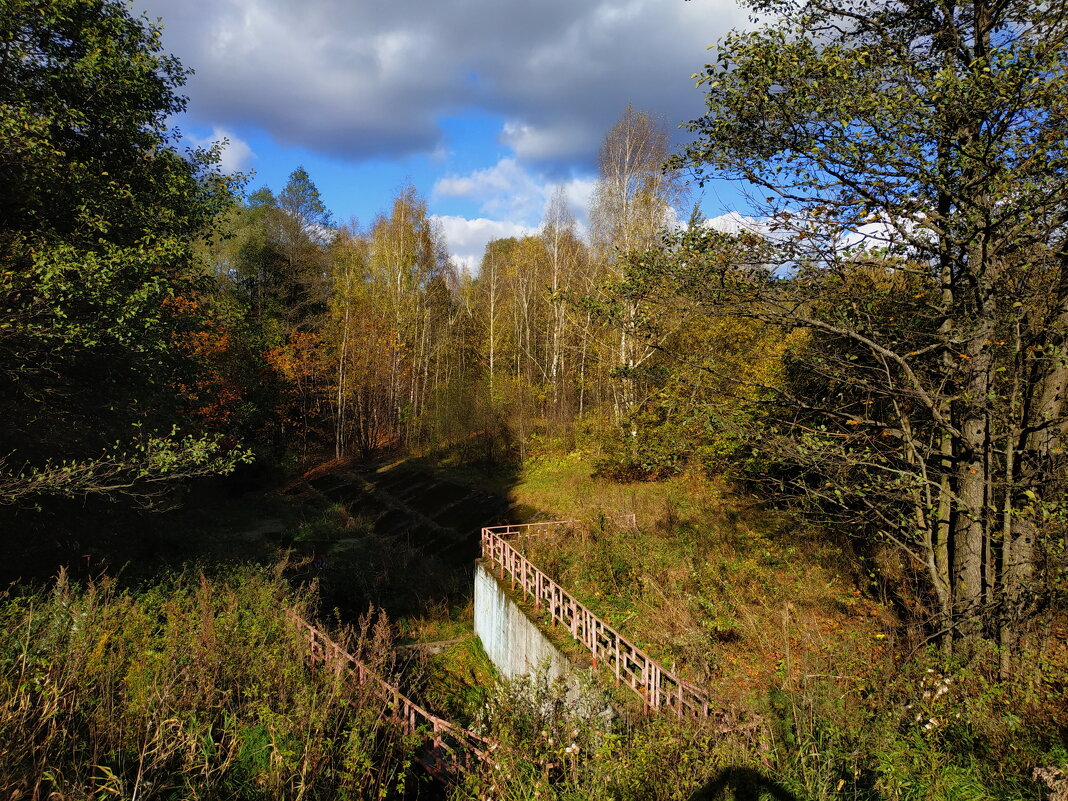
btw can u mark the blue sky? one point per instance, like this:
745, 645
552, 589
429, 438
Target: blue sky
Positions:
484, 105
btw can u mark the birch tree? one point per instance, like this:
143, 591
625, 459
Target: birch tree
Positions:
634, 202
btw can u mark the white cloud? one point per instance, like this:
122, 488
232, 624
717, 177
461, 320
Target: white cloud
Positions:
371, 79
548, 141
821, 240
504, 190
511, 191
579, 194
467, 239
236, 154
734, 223
882, 234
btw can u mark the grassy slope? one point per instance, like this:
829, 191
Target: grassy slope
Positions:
772, 618
732, 594
765, 614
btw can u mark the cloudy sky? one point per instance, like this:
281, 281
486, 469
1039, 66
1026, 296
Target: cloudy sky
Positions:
485, 105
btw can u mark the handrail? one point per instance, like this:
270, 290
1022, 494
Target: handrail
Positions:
457, 744
535, 529
658, 688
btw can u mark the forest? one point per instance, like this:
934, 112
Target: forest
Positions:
851, 402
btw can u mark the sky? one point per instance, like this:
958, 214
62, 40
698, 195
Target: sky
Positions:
485, 106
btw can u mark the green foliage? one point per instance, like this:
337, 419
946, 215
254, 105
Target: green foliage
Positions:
190, 689
557, 742
910, 731
457, 681
134, 473
703, 390
97, 220
909, 162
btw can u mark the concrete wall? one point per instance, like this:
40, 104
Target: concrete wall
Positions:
515, 645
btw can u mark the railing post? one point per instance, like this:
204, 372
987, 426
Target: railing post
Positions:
593, 639
645, 683
615, 639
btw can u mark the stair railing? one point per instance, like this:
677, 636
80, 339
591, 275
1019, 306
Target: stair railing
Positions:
658, 688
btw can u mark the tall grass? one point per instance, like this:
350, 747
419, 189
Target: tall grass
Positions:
196, 689
898, 732
554, 743
779, 625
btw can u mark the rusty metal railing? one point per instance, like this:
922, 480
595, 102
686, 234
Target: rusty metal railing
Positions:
453, 747
658, 688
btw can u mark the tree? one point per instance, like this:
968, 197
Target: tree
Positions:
565, 254
97, 220
366, 350
635, 196
302, 231
634, 202
912, 158
394, 291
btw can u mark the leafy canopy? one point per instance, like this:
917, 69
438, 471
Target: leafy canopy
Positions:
97, 222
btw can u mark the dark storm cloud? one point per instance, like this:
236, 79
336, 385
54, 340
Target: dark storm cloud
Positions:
362, 79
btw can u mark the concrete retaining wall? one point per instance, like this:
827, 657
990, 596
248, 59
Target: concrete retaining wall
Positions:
515, 645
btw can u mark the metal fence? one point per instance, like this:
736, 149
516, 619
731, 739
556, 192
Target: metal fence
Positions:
452, 747
658, 688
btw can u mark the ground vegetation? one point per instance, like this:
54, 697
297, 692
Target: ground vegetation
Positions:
839, 425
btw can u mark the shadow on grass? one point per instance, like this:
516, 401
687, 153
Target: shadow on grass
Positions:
743, 784
399, 534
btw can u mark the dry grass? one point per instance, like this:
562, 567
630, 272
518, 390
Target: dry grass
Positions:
196, 689
731, 594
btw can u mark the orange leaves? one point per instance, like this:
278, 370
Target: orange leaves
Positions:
200, 344
302, 357
182, 305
